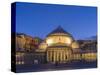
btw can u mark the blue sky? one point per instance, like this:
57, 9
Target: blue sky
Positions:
40, 19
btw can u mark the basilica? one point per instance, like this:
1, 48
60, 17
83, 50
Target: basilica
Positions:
59, 46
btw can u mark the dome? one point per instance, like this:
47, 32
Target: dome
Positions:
59, 35
43, 46
59, 31
75, 45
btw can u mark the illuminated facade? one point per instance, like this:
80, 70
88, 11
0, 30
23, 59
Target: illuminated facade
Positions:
58, 47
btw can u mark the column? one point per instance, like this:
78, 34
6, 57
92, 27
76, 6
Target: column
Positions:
57, 56
70, 55
67, 57
64, 56
47, 56
60, 56
54, 55
50, 56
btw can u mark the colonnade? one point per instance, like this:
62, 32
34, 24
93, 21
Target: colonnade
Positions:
60, 56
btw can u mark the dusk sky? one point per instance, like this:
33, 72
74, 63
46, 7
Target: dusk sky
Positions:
40, 19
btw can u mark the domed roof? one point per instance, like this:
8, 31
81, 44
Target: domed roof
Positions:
58, 30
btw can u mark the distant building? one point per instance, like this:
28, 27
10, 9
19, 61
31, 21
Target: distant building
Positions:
58, 47
88, 49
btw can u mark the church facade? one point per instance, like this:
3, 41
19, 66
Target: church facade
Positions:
59, 46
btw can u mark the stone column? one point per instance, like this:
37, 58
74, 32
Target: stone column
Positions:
50, 56
70, 56
61, 56
47, 56
64, 56
57, 55
54, 56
